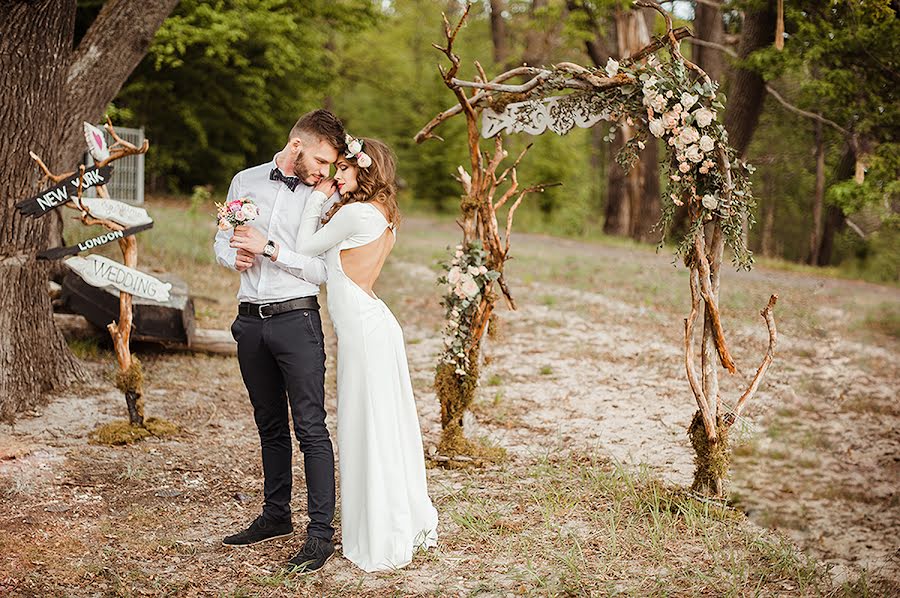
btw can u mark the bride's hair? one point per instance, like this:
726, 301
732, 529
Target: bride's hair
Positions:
375, 183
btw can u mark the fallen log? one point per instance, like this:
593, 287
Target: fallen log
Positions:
204, 340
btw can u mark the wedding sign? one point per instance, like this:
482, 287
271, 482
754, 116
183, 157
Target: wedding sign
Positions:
557, 113
57, 252
99, 271
64, 191
117, 211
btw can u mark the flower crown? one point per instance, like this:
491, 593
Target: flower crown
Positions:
354, 150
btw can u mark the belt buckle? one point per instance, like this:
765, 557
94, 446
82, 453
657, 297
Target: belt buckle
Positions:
261, 314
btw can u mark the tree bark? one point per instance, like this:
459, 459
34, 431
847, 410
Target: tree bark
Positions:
51, 89
708, 26
815, 236
633, 203
834, 217
747, 90
535, 43
498, 33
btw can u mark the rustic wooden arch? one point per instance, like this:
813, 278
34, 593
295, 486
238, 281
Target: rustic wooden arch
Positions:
711, 181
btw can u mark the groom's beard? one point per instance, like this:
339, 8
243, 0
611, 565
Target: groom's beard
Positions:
302, 172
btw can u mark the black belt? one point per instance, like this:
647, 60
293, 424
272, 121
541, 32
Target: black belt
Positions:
267, 310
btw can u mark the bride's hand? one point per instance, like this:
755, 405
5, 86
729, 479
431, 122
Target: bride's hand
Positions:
327, 186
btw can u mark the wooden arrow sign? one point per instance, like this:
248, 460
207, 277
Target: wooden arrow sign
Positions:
100, 272
117, 211
58, 252
62, 192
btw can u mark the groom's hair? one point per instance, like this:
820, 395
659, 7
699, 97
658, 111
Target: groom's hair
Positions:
323, 126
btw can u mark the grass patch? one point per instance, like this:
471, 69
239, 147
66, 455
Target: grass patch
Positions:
579, 525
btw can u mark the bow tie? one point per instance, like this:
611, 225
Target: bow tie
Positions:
290, 182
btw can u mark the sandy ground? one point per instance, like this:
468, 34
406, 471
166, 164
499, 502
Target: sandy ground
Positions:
584, 363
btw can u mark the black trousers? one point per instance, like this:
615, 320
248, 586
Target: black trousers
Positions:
286, 354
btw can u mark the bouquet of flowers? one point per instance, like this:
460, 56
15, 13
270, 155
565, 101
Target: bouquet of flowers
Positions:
236, 212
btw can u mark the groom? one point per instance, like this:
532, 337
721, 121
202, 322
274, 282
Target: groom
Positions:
279, 334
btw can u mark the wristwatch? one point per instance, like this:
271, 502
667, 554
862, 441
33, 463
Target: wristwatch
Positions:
269, 249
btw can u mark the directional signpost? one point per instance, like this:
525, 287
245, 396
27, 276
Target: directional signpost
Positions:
123, 222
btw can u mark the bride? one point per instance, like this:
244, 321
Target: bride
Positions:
386, 514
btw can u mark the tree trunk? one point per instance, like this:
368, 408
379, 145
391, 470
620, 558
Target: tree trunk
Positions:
834, 217
747, 90
815, 236
618, 203
647, 209
51, 90
767, 244
34, 357
708, 26
535, 43
633, 204
498, 33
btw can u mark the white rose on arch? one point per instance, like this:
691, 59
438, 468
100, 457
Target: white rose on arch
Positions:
706, 143
670, 119
704, 116
710, 202
657, 128
687, 100
470, 287
694, 154
689, 135
453, 275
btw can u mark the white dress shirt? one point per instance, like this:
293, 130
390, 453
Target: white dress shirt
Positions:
280, 209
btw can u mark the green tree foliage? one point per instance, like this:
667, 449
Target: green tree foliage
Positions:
224, 81
842, 60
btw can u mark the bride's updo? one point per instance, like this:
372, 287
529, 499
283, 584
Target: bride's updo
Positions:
376, 182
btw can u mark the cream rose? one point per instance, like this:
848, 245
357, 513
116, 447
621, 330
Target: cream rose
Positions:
657, 128
670, 119
470, 287
704, 116
363, 160
694, 154
250, 211
689, 135
454, 275
706, 143
687, 100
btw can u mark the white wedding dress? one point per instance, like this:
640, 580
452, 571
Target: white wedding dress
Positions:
386, 514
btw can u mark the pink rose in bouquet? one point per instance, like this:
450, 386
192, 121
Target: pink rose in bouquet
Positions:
236, 212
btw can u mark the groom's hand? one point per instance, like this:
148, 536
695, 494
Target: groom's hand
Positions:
249, 239
243, 260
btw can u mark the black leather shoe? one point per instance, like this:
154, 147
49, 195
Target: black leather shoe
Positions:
312, 557
260, 530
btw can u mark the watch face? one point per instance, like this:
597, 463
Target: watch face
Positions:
269, 249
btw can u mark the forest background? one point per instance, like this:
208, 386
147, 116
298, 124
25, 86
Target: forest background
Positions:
223, 81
